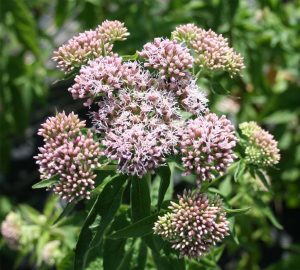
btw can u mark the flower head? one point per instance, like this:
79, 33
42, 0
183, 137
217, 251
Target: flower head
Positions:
71, 155
207, 146
11, 230
79, 49
51, 253
61, 127
132, 106
111, 31
193, 99
260, 147
211, 50
194, 225
141, 147
89, 45
106, 75
100, 77
186, 33
168, 57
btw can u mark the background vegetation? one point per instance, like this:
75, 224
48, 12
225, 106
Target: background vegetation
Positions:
266, 33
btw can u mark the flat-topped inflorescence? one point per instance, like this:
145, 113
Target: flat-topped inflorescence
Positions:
194, 225
89, 45
207, 146
260, 147
210, 50
69, 154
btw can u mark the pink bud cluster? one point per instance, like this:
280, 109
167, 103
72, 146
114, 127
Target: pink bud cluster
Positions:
111, 31
194, 225
168, 57
207, 146
260, 147
106, 75
11, 230
211, 50
89, 45
69, 154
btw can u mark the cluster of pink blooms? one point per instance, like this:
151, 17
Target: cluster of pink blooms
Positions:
211, 50
194, 224
106, 75
11, 230
207, 146
89, 45
69, 154
142, 147
168, 57
139, 118
140, 128
260, 147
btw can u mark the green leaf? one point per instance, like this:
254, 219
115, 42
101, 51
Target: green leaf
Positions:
240, 169
232, 230
61, 11
236, 212
24, 24
264, 180
138, 229
111, 247
67, 262
66, 211
125, 263
268, 213
31, 214
142, 257
104, 208
140, 198
217, 88
164, 173
130, 57
47, 182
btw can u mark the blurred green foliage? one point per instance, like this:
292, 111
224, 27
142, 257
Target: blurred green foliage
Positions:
266, 33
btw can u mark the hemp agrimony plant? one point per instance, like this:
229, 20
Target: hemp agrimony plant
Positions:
150, 125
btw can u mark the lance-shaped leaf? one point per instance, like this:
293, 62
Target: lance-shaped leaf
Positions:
138, 229
236, 212
46, 182
103, 210
140, 198
165, 175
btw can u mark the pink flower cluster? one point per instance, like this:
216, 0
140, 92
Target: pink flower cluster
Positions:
139, 128
89, 45
11, 230
168, 57
207, 146
104, 76
194, 225
69, 154
140, 148
211, 50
